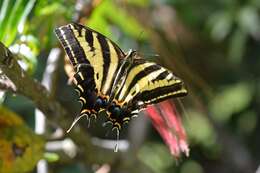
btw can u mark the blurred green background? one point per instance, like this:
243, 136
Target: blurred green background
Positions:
214, 46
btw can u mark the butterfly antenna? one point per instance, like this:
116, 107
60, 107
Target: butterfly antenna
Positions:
149, 55
75, 121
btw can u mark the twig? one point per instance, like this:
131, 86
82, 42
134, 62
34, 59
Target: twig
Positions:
6, 84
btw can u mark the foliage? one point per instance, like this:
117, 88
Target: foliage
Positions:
20, 147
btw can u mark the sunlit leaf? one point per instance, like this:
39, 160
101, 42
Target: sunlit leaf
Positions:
50, 9
15, 21
26, 12
12, 24
51, 157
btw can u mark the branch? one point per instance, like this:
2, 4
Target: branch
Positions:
6, 84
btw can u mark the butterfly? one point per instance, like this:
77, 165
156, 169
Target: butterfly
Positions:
108, 79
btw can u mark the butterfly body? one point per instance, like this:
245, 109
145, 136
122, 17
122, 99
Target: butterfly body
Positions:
107, 79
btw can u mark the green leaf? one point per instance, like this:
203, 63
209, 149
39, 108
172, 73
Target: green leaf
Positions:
230, 100
156, 156
126, 22
108, 12
26, 12
248, 19
4, 17
237, 46
140, 3
3, 12
12, 19
221, 24
199, 129
10, 27
51, 157
51, 9
191, 166
17, 19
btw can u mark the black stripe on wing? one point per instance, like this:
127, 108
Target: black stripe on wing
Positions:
161, 93
144, 72
150, 83
71, 45
106, 57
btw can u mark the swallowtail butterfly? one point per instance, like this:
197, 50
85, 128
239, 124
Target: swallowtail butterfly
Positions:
108, 79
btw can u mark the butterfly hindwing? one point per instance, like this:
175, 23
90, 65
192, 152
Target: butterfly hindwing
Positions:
145, 83
149, 83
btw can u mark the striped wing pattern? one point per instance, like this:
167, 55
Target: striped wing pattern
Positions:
104, 79
86, 46
150, 83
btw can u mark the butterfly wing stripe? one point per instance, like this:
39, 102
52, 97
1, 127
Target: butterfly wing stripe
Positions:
146, 71
133, 72
143, 85
97, 61
94, 58
106, 59
71, 45
113, 66
169, 76
162, 76
161, 93
103, 54
89, 38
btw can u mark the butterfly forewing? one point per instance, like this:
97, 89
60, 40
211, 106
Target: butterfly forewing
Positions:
86, 46
96, 61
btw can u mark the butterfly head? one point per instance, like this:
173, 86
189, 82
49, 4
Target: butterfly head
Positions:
131, 53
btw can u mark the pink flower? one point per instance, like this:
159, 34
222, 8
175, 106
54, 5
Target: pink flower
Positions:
167, 122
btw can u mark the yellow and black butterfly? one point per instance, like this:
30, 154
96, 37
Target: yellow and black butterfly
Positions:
108, 79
